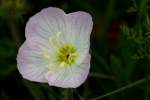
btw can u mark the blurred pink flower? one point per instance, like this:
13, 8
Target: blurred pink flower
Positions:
56, 50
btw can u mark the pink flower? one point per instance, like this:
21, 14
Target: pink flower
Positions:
56, 50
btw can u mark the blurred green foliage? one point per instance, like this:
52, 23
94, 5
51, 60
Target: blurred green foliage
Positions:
120, 49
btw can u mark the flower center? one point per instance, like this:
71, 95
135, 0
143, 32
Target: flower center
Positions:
66, 55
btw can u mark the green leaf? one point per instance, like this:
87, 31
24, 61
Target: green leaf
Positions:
35, 90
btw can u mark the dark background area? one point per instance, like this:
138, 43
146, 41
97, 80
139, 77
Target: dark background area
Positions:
120, 49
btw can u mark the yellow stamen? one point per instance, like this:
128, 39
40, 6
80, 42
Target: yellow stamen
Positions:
55, 41
58, 34
45, 53
62, 64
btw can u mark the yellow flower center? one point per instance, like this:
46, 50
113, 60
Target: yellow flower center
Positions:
66, 55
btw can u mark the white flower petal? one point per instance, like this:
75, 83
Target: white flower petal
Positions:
37, 59
71, 77
79, 27
31, 64
46, 23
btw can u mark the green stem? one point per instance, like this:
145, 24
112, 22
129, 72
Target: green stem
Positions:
122, 88
15, 32
68, 94
80, 97
102, 76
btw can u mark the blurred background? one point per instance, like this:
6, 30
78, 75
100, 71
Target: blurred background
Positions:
120, 49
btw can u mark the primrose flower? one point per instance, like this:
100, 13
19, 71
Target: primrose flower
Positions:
56, 50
